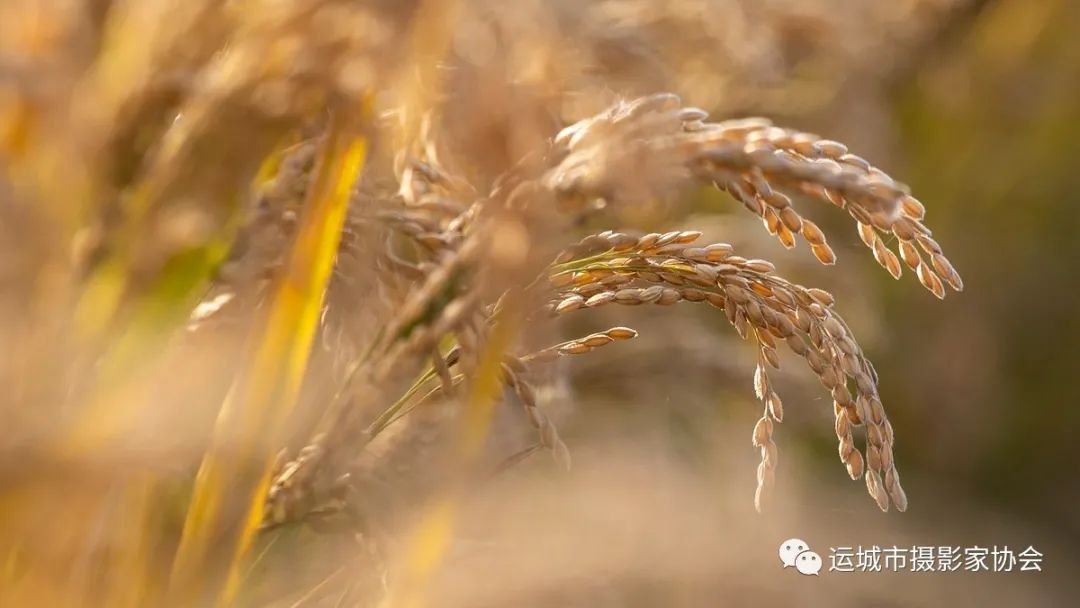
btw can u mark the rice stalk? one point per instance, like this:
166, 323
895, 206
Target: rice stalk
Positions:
662, 144
236, 467
664, 269
430, 539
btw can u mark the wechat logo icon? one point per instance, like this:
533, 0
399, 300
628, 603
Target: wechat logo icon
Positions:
796, 553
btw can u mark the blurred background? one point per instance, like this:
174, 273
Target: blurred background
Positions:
976, 105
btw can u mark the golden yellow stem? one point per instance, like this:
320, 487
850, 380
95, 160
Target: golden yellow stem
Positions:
227, 501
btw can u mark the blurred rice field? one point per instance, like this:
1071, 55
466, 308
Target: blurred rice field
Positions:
274, 328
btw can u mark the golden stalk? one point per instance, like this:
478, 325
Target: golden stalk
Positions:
235, 472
